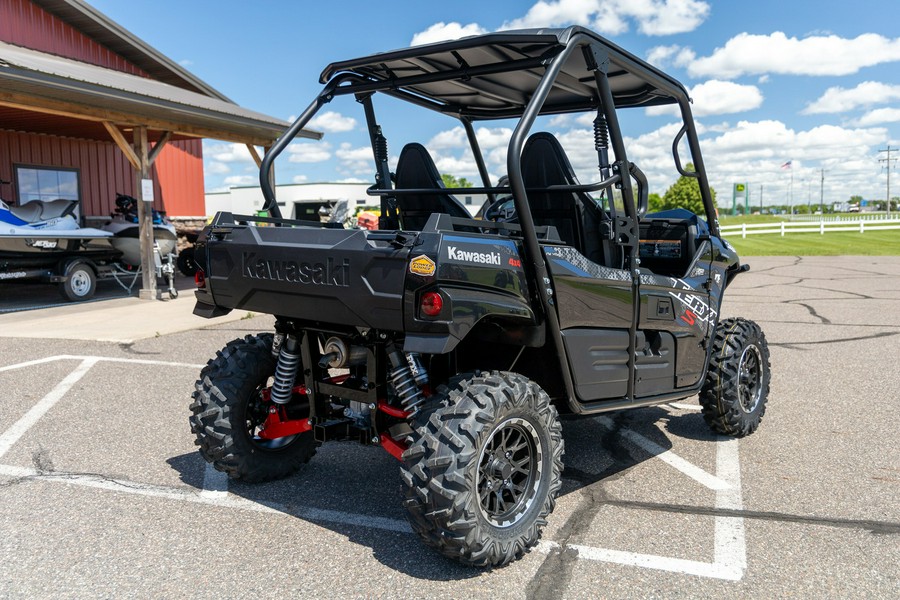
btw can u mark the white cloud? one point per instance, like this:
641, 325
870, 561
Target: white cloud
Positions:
217, 168
879, 116
309, 152
612, 17
748, 54
440, 32
299, 179
837, 99
227, 152
751, 152
664, 56
332, 122
356, 160
493, 137
450, 138
754, 152
241, 180
354, 180
462, 166
716, 97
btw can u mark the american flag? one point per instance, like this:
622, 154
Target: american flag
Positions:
787, 166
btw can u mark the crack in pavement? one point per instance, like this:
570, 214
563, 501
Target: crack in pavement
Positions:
797, 261
875, 527
792, 345
51, 474
824, 289
128, 348
556, 571
812, 311
854, 325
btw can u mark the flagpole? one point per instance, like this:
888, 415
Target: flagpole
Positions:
791, 192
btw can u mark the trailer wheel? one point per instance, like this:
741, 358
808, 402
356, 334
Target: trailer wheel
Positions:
483, 470
228, 408
80, 283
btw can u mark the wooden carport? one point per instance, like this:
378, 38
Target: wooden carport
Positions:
43, 93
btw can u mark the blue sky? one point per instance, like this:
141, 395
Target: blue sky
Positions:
816, 83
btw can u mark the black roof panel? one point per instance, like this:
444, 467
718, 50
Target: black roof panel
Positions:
494, 75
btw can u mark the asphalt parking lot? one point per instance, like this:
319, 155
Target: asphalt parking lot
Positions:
102, 493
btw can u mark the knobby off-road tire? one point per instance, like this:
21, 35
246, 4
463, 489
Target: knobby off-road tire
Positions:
736, 388
483, 470
227, 407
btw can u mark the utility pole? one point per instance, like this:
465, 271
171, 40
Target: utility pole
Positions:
888, 161
822, 194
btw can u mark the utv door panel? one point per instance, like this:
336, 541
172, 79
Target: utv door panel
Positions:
588, 294
681, 307
599, 361
654, 363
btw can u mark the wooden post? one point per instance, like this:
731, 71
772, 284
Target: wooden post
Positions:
145, 217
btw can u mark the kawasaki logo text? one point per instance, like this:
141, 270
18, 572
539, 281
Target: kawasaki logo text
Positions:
320, 273
489, 258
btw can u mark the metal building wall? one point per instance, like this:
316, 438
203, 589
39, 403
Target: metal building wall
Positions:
178, 177
24, 24
103, 171
178, 171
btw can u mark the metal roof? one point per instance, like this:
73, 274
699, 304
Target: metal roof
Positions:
494, 75
107, 32
97, 93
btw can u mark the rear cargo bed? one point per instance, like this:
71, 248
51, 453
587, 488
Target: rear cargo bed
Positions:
351, 277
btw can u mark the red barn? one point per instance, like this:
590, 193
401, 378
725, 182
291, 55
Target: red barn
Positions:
87, 109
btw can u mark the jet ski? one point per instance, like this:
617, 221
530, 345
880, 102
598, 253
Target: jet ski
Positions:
125, 231
42, 227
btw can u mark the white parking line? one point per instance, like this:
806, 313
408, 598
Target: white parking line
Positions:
215, 483
673, 460
224, 500
730, 547
683, 406
730, 550
730, 556
58, 357
670, 458
20, 427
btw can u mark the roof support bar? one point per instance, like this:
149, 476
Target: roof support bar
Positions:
520, 196
160, 144
254, 155
123, 145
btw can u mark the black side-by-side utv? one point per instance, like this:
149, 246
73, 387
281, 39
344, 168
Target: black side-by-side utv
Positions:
453, 342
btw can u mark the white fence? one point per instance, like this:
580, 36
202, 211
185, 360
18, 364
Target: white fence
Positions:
854, 218
822, 226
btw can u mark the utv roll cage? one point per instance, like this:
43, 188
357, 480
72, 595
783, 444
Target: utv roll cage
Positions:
517, 74
512, 74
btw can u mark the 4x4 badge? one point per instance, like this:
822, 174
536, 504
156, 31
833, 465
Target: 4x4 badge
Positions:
422, 265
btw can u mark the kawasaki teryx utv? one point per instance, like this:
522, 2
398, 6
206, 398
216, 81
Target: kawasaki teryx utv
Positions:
452, 342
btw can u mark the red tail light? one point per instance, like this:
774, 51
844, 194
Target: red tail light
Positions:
200, 279
432, 304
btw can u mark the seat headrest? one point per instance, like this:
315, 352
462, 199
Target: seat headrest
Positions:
544, 162
416, 168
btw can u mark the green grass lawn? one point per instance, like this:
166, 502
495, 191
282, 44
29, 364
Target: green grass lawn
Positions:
870, 243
